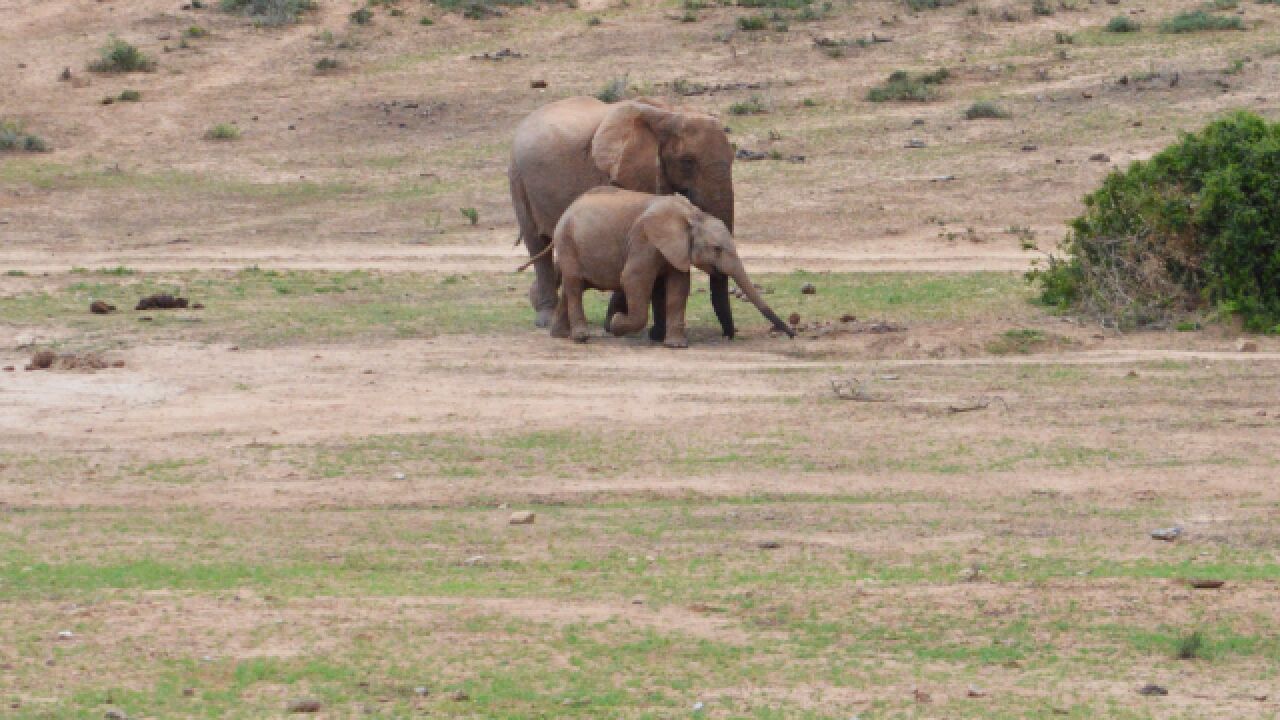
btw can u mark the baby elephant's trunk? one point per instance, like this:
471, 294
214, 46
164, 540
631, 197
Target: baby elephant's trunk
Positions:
749, 289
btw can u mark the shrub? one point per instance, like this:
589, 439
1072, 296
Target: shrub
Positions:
918, 5
363, 16
1200, 21
480, 9
195, 31
14, 139
471, 214
1041, 8
1191, 646
752, 23
613, 91
130, 96
269, 12
593, 21
223, 131
1197, 225
326, 64
118, 56
751, 106
902, 86
985, 109
1123, 24
424, 20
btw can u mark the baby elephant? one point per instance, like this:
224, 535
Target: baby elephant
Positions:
613, 239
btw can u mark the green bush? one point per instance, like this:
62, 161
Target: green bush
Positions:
1200, 21
118, 56
613, 91
130, 96
1196, 227
223, 131
902, 86
14, 139
480, 9
269, 12
1123, 24
1041, 8
751, 106
984, 109
753, 22
362, 16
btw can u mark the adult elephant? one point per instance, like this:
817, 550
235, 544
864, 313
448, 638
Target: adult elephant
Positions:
566, 148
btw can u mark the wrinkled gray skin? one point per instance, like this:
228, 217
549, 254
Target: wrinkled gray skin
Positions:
618, 240
564, 149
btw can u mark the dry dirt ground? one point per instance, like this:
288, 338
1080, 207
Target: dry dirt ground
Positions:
302, 489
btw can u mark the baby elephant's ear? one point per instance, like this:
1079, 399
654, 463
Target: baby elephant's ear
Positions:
666, 226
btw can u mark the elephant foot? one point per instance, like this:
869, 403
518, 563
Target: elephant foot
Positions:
559, 332
658, 334
544, 318
581, 336
676, 342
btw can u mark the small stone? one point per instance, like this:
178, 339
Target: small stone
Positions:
915, 144
398, 476
303, 705
459, 696
1151, 689
1100, 157
808, 289
975, 692
65, 635
1246, 346
1168, 534
538, 84
522, 517
421, 691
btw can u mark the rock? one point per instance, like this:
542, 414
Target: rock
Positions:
459, 696
769, 545
1246, 346
1206, 583
398, 476
188, 692
538, 84
42, 360
847, 318
522, 517
794, 319
1168, 534
975, 692
915, 144
421, 691
114, 714
1100, 157
808, 289
1151, 689
303, 705
98, 307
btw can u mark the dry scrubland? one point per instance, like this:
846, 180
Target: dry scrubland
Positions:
302, 489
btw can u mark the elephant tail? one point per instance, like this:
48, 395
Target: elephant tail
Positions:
531, 260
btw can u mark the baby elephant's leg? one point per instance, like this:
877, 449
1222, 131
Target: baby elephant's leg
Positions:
676, 300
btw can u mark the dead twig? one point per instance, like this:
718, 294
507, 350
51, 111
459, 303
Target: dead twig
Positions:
850, 390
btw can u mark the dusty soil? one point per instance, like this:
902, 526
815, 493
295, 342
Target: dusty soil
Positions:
329, 517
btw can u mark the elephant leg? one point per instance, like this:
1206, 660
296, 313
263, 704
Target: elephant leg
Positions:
637, 283
676, 298
560, 324
572, 292
542, 294
720, 303
658, 332
617, 305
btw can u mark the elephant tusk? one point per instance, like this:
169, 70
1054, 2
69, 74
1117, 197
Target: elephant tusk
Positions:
545, 250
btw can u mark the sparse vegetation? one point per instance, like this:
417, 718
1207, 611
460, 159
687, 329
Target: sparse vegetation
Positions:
753, 105
195, 31
223, 131
14, 139
751, 23
362, 16
325, 64
119, 56
269, 12
1196, 224
918, 5
613, 91
1191, 647
901, 86
1200, 21
594, 21
471, 214
424, 20
1123, 24
985, 109
1041, 8
130, 96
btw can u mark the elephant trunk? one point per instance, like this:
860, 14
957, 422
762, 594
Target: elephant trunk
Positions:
749, 289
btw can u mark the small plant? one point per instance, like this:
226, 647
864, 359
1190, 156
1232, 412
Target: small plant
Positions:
1191, 646
1224, 4
918, 5
1200, 21
1062, 38
1123, 24
325, 64
363, 16
985, 109
13, 139
594, 21
195, 31
809, 102
1041, 8
471, 214
118, 56
130, 96
1235, 68
15, 273
751, 23
268, 12
751, 106
904, 87
613, 91
223, 131
424, 20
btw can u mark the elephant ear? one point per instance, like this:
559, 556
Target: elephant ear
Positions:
625, 147
667, 226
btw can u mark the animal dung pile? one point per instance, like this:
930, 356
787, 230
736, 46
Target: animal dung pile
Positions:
98, 307
161, 301
49, 360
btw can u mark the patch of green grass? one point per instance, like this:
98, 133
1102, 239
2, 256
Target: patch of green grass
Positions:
195, 32
1200, 21
753, 105
613, 91
1122, 24
986, 109
268, 12
223, 131
119, 56
13, 138
751, 23
1024, 341
471, 214
130, 96
902, 86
